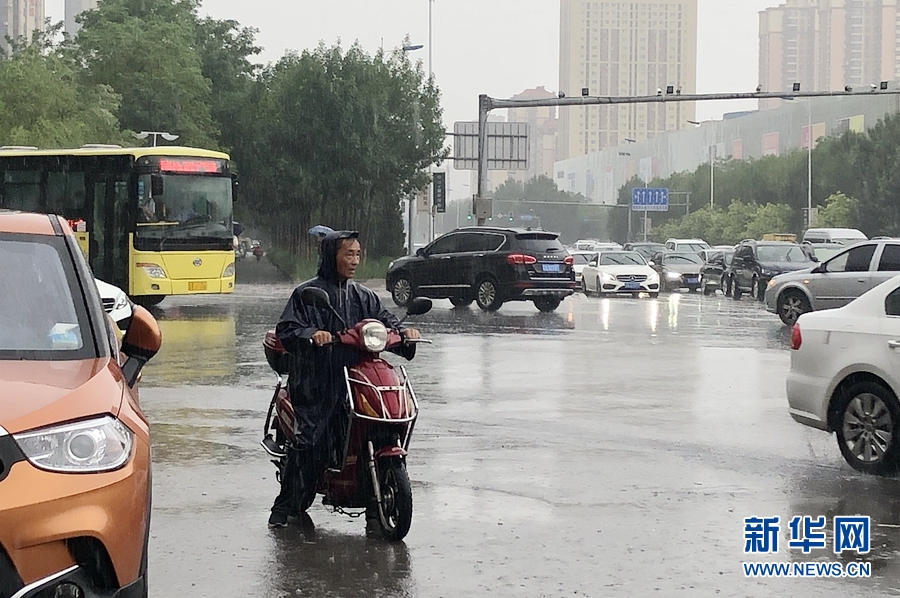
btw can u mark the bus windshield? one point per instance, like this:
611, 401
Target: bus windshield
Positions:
192, 209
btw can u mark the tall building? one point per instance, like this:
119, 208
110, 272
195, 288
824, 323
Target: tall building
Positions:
73, 8
616, 48
825, 45
19, 19
543, 128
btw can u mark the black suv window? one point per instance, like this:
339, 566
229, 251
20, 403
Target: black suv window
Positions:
469, 242
448, 244
857, 259
539, 242
892, 304
492, 241
745, 251
890, 259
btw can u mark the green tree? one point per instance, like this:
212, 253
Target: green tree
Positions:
840, 211
340, 137
146, 50
45, 101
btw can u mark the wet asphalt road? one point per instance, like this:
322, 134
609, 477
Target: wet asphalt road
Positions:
612, 448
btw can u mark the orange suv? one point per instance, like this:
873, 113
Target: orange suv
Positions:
74, 445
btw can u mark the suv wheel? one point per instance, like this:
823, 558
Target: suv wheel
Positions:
736, 291
401, 291
791, 305
547, 303
756, 290
460, 301
487, 295
867, 428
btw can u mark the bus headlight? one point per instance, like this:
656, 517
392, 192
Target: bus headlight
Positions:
374, 335
94, 445
229, 271
153, 270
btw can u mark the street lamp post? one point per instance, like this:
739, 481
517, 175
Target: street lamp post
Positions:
410, 202
809, 148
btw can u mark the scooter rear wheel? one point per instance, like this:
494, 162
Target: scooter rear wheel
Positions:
396, 500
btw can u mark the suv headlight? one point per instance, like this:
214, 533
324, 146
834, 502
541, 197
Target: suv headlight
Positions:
374, 335
94, 445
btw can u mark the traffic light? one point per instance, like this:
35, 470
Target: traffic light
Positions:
512, 217
468, 217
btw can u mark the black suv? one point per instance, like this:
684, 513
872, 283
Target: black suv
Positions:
487, 265
756, 262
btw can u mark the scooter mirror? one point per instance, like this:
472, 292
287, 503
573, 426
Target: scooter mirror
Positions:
419, 306
315, 297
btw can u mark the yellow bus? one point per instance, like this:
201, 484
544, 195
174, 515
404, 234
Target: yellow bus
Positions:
155, 221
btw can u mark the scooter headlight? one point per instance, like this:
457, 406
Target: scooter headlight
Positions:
101, 444
374, 335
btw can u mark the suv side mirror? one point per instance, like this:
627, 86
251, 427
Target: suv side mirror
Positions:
420, 252
141, 342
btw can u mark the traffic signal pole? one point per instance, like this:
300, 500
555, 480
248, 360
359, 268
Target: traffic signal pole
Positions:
482, 203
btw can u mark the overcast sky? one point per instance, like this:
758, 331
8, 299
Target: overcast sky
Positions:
497, 47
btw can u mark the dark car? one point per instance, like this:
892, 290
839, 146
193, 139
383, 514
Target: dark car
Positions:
648, 250
487, 265
677, 269
756, 262
712, 273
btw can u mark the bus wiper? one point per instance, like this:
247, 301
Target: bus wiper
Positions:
190, 223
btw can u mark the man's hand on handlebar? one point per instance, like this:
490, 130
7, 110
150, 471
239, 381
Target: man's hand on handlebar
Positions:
411, 334
321, 337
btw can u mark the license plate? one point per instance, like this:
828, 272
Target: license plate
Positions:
550, 267
691, 280
197, 286
631, 286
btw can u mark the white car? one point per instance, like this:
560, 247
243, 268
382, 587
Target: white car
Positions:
845, 377
611, 272
581, 259
116, 303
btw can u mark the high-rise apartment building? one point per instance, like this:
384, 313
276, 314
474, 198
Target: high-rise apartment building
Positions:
19, 19
543, 128
825, 45
617, 48
73, 8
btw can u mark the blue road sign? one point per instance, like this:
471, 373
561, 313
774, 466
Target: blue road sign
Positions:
649, 200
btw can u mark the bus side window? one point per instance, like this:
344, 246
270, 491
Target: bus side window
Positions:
22, 190
65, 194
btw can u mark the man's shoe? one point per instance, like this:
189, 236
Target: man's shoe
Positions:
278, 519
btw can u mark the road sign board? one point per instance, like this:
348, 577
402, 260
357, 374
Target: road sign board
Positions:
507, 145
439, 187
649, 200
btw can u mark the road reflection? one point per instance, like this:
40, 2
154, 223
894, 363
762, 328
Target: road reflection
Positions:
310, 562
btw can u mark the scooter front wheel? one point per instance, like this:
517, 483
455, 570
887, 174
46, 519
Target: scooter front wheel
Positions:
396, 500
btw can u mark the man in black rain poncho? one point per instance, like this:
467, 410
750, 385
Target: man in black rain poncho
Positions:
318, 390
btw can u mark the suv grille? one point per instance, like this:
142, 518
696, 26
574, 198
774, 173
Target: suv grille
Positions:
630, 278
108, 304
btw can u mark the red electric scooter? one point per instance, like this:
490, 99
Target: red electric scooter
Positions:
382, 411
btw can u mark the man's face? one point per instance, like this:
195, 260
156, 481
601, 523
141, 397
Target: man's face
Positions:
348, 258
